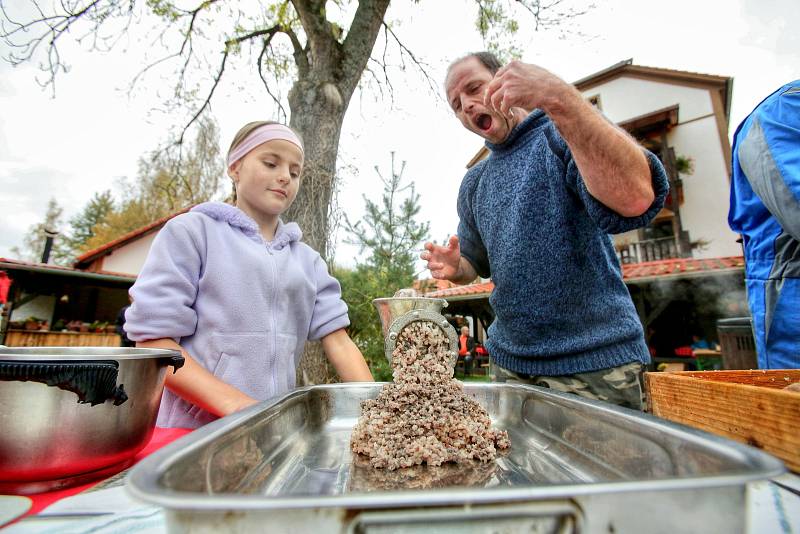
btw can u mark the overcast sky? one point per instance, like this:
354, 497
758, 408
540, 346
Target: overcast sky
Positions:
92, 132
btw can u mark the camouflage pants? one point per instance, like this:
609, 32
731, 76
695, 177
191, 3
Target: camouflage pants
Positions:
617, 385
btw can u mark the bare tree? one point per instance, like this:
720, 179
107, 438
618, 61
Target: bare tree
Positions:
306, 41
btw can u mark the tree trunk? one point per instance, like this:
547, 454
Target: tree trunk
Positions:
317, 113
328, 73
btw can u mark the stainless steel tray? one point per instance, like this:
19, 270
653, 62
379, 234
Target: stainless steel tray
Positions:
574, 465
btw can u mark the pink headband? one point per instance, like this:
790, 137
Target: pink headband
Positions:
260, 135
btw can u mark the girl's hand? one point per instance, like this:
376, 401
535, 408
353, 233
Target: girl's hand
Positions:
197, 385
236, 403
443, 262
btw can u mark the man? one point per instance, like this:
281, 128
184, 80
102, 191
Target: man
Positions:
466, 349
765, 210
535, 216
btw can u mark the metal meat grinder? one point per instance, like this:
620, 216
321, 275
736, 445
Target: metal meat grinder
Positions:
399, 311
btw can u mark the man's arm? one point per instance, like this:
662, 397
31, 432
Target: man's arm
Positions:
614, 168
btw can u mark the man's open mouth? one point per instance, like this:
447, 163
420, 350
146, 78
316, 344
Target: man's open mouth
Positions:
484, 121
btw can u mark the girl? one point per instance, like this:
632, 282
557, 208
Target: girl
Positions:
236, 291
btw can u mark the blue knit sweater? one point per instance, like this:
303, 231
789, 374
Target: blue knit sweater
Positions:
528, 221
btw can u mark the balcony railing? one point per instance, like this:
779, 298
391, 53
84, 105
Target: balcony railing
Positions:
663, 248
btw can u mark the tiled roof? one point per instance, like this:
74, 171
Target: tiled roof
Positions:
631, 273
680, 268
107, 248
483, 289
432, 284
9, 263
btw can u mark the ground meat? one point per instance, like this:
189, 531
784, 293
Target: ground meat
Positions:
424, 415
466, 474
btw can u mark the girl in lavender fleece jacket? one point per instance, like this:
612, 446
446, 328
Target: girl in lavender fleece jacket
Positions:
236, 291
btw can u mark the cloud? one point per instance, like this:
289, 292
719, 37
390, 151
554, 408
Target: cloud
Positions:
26, 192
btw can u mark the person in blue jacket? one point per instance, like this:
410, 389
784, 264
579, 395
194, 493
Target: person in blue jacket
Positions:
765, 210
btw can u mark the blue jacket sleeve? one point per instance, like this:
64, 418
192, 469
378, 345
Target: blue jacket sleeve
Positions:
607, 219
769, 155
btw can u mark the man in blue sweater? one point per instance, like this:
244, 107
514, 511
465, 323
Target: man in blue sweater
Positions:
535, 216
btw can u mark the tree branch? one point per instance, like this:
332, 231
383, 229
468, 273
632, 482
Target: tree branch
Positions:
300, 53
357, 46
404, 50
260, 62
319, 31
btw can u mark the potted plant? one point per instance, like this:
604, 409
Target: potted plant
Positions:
111, 328
84, 327
74, 326
33, 323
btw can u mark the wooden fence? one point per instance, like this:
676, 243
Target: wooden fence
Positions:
32, 338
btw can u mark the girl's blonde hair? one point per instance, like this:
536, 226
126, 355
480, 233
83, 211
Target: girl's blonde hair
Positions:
242, 134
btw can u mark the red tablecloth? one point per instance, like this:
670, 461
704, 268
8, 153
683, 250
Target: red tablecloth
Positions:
161, 437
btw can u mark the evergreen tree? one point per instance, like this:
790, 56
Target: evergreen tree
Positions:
34, 241
391, 234
83, 224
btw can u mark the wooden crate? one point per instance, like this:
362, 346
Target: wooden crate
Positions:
746, 406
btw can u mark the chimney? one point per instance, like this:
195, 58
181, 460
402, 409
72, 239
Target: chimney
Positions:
48, 243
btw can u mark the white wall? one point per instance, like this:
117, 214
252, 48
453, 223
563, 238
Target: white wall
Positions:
625, 98
704, 213
129, 258
42, 307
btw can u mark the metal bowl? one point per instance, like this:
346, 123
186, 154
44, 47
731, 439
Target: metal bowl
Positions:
72, 415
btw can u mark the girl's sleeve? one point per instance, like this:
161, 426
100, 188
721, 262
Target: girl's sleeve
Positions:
330, 311
607, 219
166, 288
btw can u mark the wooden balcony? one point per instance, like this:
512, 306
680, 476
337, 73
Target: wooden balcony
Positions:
664, 248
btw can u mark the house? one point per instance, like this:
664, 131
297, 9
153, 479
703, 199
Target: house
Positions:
92, 291
682, 117
41, 299
127, 253
684, 270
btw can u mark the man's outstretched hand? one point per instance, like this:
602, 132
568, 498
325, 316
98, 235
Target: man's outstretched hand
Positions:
444, 263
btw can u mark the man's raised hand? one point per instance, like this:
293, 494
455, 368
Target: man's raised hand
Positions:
522, 85
444, 263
